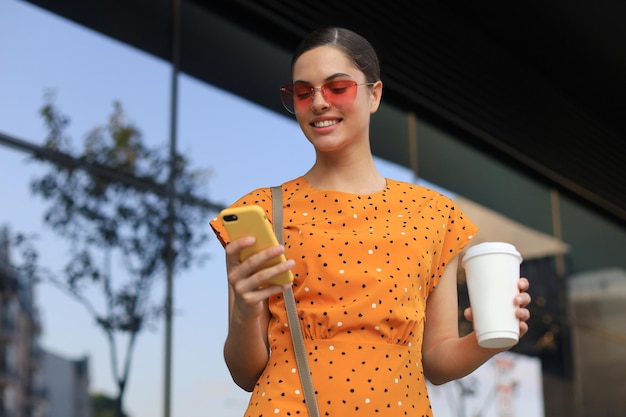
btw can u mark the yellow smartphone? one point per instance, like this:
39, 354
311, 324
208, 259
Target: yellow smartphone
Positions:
252, 221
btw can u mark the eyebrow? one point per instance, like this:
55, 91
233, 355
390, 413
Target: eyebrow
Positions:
329, 78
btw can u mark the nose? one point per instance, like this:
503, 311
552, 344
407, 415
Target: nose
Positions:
318, 101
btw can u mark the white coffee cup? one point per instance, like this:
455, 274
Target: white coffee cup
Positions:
492, 270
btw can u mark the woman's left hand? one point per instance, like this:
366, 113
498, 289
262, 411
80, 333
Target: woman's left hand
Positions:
522, 300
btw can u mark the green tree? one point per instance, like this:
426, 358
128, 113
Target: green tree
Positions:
109, 201
104, 406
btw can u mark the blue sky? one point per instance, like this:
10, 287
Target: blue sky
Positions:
232, 138
220, 132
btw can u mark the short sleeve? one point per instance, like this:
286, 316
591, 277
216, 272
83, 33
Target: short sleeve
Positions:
460, 230
261, 197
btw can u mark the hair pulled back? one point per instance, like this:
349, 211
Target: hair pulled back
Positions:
353, 45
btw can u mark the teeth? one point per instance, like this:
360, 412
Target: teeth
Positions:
326, 123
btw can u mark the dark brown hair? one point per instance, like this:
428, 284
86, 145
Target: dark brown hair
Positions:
356, 48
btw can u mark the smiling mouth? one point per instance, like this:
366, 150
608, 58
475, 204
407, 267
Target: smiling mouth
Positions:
326, 123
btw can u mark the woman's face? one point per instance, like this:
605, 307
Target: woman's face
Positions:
332, 123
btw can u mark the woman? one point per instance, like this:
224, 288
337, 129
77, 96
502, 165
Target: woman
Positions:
374, 260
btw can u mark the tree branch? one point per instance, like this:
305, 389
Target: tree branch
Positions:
139, 183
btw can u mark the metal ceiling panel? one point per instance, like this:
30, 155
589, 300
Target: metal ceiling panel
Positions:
500, 78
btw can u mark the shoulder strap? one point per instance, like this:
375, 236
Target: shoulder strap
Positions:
292, 313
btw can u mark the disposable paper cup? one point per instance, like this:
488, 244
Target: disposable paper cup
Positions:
492, 270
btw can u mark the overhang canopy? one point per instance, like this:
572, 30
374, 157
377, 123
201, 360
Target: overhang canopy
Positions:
539, 85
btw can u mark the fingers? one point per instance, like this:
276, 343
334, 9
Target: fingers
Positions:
467, 313
233, 249
523, 284
523, 328
522, 313
246, 275
522, 300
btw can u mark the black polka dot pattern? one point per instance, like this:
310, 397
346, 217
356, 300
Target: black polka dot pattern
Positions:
365, 265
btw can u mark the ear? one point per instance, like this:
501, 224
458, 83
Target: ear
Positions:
376, 94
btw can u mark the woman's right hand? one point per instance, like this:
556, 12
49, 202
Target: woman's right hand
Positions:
251, 289
246, 349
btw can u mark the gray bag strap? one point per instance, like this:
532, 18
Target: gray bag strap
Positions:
292, 313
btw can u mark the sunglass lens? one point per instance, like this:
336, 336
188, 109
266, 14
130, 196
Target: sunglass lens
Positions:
340, 93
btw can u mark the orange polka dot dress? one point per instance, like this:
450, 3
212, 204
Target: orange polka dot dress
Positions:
365, 265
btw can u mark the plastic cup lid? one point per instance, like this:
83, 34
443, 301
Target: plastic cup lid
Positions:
491, 247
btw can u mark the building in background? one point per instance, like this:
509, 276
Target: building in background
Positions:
22, 392
598, 305
67, 385
33, 383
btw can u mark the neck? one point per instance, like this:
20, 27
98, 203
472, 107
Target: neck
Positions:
356, 178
